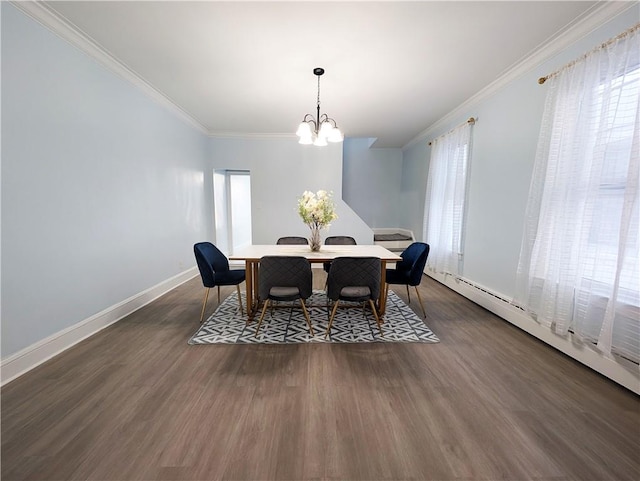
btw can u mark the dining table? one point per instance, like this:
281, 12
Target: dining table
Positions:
252, 254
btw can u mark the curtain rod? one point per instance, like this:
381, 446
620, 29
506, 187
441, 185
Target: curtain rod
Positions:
471, 121
629, 31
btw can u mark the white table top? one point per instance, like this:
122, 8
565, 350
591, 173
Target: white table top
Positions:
326, 252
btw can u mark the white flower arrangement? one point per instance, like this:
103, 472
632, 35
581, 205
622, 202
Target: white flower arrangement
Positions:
317, 210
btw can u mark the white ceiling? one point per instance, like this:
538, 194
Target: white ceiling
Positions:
392, 68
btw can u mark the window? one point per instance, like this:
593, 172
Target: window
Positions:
610, 226
445, 200
579, 269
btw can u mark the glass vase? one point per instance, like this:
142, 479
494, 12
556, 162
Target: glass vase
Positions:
314, 239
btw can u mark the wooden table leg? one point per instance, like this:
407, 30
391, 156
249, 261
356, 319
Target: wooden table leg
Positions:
382, 300
256, 281
248, 284
249, 288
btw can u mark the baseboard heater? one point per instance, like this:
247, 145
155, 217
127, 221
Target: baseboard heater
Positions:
620, 368
487, 291
512, 305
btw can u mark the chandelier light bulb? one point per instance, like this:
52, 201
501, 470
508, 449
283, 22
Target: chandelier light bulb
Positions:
335, 135
306, 139
320, 141
304, 129
325, 129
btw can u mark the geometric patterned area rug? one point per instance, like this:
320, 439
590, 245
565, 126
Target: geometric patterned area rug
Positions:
351, 325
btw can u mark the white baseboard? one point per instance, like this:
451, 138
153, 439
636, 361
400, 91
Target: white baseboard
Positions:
627, 375
28, 358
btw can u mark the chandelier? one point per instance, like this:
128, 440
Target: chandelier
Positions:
320, 129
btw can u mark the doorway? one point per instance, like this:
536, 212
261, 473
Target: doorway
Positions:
232, 209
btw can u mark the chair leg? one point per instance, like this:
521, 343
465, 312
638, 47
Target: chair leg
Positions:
218, 295
204, 304
306, 315
264, 309
239, 299
375, 314
333, 314
408, 295
424, 314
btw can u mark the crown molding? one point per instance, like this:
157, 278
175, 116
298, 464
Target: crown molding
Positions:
581, 27
254, 136
59, 25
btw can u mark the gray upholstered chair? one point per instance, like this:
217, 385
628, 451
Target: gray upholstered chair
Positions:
287, 279
354, 279
340, 240
337, 240
293, 240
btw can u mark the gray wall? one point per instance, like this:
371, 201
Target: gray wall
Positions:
413, 186
103, 190
281, 170
502, 156
371, 183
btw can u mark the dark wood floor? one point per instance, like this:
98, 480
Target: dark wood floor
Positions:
489, 402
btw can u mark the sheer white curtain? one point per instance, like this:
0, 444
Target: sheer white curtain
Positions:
579, 266
445, 200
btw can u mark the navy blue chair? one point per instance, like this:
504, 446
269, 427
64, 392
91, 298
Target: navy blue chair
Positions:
409, 270
215, 272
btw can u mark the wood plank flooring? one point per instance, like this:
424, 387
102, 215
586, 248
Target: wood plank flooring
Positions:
489, 402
